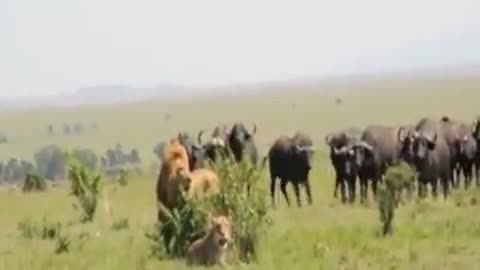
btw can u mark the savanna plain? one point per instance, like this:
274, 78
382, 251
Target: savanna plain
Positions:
429, 234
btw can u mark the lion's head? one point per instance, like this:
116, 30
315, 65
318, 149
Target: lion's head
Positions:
222, 231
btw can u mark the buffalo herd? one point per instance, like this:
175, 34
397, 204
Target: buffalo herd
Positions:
439, 150
289, 158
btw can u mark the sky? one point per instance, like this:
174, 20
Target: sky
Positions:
55, 46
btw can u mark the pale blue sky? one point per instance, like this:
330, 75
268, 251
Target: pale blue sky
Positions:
54, 46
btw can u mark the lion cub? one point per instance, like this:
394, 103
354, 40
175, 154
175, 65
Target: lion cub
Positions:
211, 249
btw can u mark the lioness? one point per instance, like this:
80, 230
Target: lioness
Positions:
211, 249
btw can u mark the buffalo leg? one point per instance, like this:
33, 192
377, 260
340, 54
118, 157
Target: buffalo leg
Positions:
469, 173
445, 186
351, 188
343, 190
421, 189
458, 171
374, 188
272, 189
477, 174
337, 184
362, 189
283, 188
296, 189
308, 191
434, 183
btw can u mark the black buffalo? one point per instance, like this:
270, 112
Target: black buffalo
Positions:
290, 160
452, 132
217, 145
476, 137
431, 156
195, 152
467, 151
379, 148
242, 144
341, 157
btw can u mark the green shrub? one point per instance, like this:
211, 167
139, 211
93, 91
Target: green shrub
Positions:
34, 182
47, 230
397, 179
85, 186
400, 178
247, 210
123, 177
27, 228
121, 224
62, 244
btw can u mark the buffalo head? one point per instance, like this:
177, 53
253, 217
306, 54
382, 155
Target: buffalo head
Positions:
305, 153
406, 137
422, 145
239, 137
363, 152
195, 152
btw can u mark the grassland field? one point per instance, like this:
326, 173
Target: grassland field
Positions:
434, 234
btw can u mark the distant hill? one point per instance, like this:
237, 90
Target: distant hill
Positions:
118, 94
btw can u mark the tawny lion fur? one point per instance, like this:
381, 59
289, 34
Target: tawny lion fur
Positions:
174, 162
199, 182
211, 249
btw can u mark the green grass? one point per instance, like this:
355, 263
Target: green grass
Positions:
328, 235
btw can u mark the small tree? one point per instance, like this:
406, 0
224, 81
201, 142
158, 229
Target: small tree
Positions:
85, 186
397, 178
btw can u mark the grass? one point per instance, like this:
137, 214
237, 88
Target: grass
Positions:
328, 235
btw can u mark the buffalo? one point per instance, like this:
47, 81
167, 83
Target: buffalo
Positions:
194, 151
242, 144
431, 156
217, 145
379, 148
451, 131
290, 160
466, 147
341, 157
476, 137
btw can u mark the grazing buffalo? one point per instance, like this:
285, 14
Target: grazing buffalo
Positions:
217, 145
194, 151
476, 137
431, 156
379, 148
242, 144
341, 157
290, 160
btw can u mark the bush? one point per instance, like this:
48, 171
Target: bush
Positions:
50, 161
248, 211
123, 177
397, 178
47, 230
400, 178
121, 224
34, 182
85, 186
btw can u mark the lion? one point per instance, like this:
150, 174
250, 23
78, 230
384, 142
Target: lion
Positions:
175, 163
211, 248
199, 182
